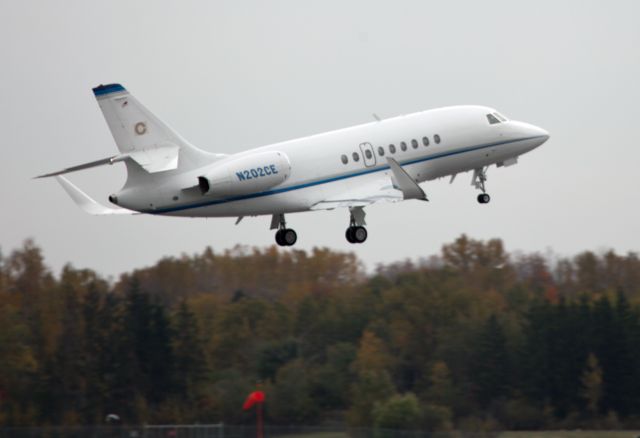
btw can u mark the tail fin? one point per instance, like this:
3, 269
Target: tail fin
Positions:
143, 137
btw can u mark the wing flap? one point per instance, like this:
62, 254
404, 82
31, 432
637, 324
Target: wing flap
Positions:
379, 190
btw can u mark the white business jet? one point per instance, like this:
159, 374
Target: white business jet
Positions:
381, 161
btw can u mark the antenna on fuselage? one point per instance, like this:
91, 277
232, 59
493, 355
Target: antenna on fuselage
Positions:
375, 116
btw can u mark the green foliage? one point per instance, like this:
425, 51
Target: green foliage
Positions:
490, 370
330, 381
188, 347
441, 391
290, 400
274, 355
474, 338
398, 412
373, 382
370, 387
520, 414
437, 417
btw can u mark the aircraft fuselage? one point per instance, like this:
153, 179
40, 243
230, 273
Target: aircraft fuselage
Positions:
467, 141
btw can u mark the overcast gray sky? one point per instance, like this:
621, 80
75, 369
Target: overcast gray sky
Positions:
235, 75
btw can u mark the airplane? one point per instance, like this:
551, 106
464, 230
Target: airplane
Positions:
381, 161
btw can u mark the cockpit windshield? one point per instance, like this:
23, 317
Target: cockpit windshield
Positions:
496, 117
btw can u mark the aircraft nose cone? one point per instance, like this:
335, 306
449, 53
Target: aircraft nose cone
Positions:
541, 135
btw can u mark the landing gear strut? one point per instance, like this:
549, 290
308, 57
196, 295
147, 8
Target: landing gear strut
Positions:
356, 233
284, 236
478, 181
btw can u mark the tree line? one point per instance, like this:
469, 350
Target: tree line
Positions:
473, 337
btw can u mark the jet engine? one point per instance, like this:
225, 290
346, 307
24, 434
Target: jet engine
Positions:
248, 174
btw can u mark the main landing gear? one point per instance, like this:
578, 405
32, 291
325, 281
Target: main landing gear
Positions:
356, 233
284, 236
478, 181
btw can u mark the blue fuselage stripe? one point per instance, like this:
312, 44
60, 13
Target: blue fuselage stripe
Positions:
332, 179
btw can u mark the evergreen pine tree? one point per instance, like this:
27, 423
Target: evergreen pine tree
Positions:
190, 364
490, 367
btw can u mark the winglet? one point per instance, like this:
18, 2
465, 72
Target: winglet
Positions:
403, 181
85, 202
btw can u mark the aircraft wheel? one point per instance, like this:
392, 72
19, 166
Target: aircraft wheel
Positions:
484, 198
349, 235
359, 234
289, 237
279, 239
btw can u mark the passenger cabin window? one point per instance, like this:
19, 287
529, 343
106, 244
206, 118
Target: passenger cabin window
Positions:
403, 146
344, 159
355, 156
368, 154
492, 119
425, 141
436, 138
414, 143
392, 148
380, 151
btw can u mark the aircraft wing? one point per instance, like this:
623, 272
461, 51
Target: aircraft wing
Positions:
378, 190
398, 186
87, 203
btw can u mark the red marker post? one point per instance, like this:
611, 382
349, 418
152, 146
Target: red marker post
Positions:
256, 398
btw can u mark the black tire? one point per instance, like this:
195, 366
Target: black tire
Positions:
279, 240
360, 234
484, 198
289, 237
349, 235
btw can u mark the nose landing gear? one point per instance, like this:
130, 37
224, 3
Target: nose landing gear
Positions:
484, 198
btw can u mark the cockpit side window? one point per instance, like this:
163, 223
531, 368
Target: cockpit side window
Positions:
492, 119
500, 117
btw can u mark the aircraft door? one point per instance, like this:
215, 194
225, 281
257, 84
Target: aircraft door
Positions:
368, 155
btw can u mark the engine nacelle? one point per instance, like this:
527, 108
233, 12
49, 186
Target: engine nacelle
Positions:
253, 173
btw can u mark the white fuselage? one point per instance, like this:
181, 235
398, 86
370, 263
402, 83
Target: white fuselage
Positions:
317, 171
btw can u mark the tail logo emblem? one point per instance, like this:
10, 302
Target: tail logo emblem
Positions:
140, 128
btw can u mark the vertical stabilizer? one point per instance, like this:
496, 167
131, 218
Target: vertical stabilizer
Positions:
147, 140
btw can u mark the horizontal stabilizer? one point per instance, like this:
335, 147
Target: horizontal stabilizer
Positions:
153, 160
96, 163
86, 203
